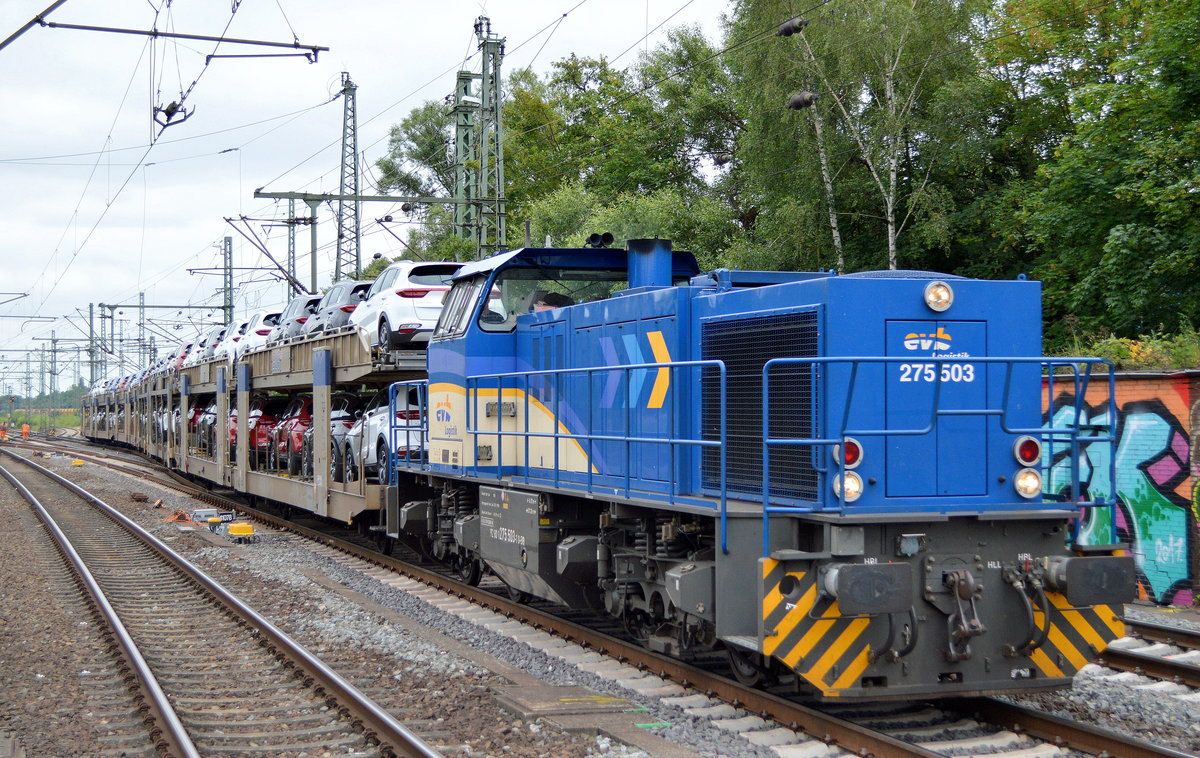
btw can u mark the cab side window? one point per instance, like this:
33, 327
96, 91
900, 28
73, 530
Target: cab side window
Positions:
460, 304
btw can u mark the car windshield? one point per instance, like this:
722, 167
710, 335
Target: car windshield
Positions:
433, 275
334, 295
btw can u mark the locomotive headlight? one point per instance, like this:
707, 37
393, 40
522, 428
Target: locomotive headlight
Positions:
1028, 483
938, 296
853, 486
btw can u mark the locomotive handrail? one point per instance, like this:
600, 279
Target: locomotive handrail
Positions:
1070, 434
420, 429
522, 384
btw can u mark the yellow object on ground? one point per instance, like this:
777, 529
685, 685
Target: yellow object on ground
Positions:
76, 463
241, 530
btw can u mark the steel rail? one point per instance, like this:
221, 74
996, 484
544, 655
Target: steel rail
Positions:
1154, 666
377, 722
825, 727
1174, 635
1060, 731
169, 733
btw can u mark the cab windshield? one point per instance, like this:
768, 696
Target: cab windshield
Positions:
526, 289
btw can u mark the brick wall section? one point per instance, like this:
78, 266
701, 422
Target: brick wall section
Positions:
1157, 470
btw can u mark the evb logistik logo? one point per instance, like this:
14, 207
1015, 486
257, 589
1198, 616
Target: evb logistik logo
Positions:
939, 340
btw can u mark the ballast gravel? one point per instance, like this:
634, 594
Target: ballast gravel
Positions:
444, 695
450, 698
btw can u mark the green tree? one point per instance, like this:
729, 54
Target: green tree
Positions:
865, 155
420, 158
589, 124
1117, 220
696, 222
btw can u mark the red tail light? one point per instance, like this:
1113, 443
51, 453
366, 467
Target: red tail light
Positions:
413, 293
235, 339
263, 332
302, 319
848, 454
348, 308
408, 415
1028, 451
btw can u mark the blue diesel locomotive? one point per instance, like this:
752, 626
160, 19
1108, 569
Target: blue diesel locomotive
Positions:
837, 479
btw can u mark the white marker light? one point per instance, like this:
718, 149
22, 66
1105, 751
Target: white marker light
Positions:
938, 296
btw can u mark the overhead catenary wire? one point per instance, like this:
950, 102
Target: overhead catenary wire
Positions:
553, 25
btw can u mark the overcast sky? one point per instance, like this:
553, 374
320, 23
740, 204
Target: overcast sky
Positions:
93, 212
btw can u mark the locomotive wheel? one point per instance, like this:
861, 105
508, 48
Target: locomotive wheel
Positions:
469, 571
636, 624
518, 596
747, 669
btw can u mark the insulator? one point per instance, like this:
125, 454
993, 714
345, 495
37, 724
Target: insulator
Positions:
791, 26
802, 100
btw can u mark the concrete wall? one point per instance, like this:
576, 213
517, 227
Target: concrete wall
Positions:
1157, 463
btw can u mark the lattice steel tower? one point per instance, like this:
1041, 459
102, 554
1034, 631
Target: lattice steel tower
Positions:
479, 147
349, 241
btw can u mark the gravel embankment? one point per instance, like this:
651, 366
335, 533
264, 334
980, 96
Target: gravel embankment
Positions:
446, 696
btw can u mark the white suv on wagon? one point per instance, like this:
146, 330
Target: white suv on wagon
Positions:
404, 303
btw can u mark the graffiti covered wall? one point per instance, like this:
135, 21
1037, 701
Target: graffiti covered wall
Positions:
1155, 479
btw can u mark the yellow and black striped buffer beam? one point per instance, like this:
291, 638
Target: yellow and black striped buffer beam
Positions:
808, 632
1075, 637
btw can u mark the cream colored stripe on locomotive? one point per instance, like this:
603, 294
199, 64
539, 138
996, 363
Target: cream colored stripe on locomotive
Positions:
517, 395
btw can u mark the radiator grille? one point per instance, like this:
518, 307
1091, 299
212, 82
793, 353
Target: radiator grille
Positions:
745, 345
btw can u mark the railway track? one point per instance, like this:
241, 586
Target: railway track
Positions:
212, 676
1161, 652
949, 728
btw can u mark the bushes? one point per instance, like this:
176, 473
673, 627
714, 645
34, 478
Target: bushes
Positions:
1150, 351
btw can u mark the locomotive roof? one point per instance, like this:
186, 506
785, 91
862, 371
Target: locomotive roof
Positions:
683, 263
